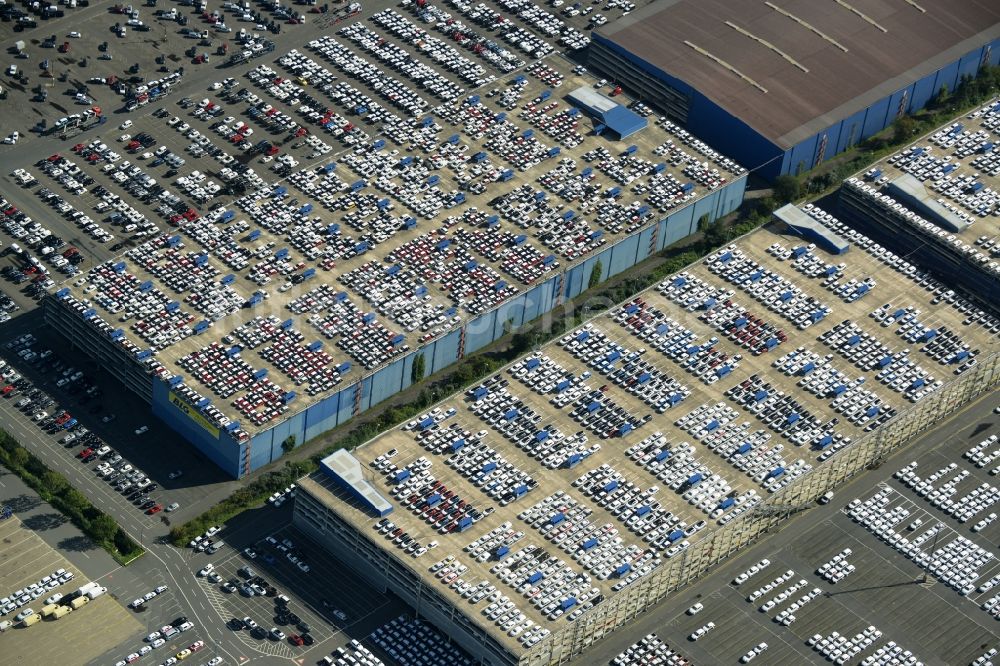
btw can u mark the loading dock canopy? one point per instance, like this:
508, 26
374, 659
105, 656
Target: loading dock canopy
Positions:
803, 225
345, 470
911, 193
613, 115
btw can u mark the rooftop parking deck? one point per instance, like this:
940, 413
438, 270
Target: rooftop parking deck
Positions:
958, 167
452, 213
581, 467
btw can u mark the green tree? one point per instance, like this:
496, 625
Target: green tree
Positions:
508, 326
904, 128
55, 482
941, 97
716, 234
595, 275
786, 189
418, 368
103, 528
288, 444
19, 457
75, 499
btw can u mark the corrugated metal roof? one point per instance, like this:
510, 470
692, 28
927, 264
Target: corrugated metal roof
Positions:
346, 470
622, 121
911, 193
805, 225
591, 99
849, 63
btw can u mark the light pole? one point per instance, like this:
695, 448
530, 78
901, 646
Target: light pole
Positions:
933, 550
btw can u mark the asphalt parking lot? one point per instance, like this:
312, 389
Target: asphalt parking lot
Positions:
158, 452
314, 596
25, 558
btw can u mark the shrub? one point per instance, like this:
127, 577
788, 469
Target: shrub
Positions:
53, 488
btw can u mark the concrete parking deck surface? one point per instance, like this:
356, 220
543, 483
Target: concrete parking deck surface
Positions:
959, 166
654, 138
891, 287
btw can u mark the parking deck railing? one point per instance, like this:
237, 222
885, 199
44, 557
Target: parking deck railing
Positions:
702, 557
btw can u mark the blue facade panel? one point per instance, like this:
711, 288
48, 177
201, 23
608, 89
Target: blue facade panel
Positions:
512, 311
534, 299
220, 449
946, 76
923, 90
605, 258
408, 367
645, 243
294, 425
875, 119
969, 64
661, 234
366, 393
802, 156
850, 131
388, 381
345, 408
321, 417
704, 206
445, 351
623, 256
898, 104
479, 332
679, 225
731, 196
260, 449
574, 281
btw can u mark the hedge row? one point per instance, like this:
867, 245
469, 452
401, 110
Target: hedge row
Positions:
53, 488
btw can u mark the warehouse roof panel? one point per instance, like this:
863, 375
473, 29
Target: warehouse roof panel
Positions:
790, 68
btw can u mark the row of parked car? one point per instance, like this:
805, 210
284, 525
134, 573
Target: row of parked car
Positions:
130, 481
517, 422
703, 359
955, 560
598, 548
945, 495
974, 315
415, 642
631, 370
650, 649
24, 596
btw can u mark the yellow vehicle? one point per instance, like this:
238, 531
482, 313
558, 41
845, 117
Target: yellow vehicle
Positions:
61, 611
183, 654
31, 619
302, 81
79, 601
48, 609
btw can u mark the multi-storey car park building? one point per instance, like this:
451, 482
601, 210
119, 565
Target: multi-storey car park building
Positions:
784, 85
938, 201
536, 512
306, 302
